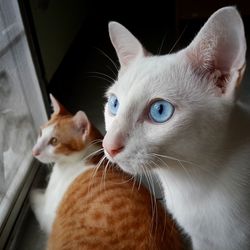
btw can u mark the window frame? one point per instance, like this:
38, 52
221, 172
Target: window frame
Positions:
20, 205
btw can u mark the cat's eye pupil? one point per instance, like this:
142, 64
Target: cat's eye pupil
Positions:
53, 141
160, 111
113, 104
160, 108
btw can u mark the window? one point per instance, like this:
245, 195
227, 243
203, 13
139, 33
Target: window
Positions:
21, 109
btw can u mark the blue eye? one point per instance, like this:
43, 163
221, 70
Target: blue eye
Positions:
113, 104
161, 111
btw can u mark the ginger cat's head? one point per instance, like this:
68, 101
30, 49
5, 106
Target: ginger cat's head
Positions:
176, 105
65, 137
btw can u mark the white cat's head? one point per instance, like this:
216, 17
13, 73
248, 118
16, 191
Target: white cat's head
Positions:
175, 105
65, 137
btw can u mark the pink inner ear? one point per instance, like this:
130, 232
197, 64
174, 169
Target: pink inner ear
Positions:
81, 121
209, 55
127, 47
218, 51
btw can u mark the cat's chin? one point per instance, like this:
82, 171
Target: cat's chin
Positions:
125, 165
122, 164
44, 160
127, 168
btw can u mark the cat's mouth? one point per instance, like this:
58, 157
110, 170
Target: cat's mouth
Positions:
132, 163
43, 158
141, 162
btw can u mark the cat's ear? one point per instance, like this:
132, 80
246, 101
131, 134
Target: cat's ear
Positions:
218, 51
58, 108
127, 47
81, 121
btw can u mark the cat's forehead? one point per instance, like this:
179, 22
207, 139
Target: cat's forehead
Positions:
47, 131
54, 126
151, 77
63, 128
57, 121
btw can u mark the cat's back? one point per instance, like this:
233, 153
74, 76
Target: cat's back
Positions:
104, 209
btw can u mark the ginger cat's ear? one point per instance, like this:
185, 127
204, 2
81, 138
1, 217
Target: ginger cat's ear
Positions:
81, 121
218, 51
57, 106
127, 47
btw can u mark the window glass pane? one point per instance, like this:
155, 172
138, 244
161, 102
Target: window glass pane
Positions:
21, 105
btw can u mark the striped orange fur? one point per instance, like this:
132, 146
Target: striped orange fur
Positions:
105, 209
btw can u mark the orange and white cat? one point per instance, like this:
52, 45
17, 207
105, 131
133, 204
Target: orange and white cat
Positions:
65, 140
88, 205
179, 116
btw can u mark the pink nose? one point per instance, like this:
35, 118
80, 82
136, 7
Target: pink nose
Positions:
113, 143
113, 146
114, 151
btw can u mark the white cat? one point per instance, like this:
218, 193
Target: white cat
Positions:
67, 141
178, 116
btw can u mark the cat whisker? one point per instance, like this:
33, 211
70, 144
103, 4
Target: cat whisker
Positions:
188, 174
109, 58
179, 38
195, 166
115, 75
166, 184
104, 175
179, 163
152, 196
149, 184
93, 154
103, 78
161, 46
165, 214
134, 182
98, 165
192, 164
94, 142
212, 175
140, 181
132, 177
153, 193
172, 158
102, 74
170, 198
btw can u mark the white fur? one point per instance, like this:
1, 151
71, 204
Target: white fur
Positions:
202, 154
125, 39
42, 145
45, 202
